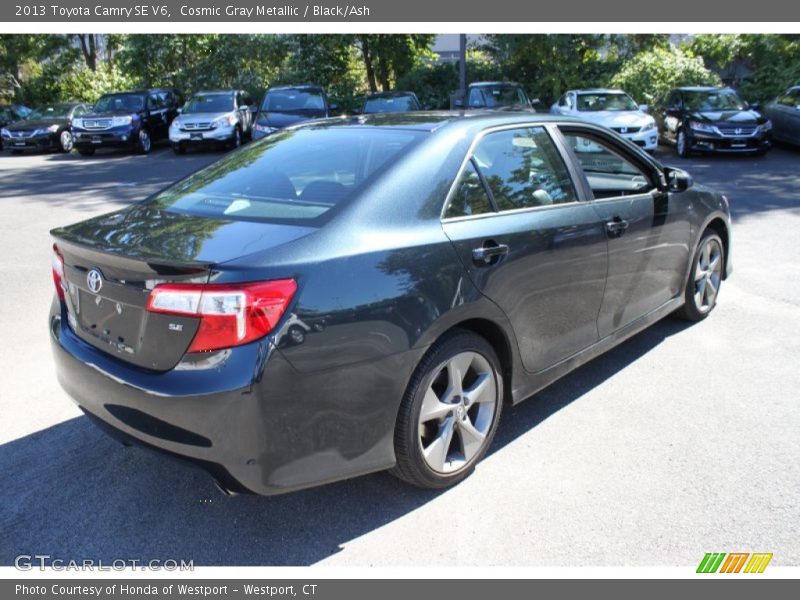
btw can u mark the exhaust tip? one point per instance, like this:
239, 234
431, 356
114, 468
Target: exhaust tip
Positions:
226, 491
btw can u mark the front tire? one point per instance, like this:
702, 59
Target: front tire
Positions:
65, 142
449, 413
144, 143
682, 144
705, 278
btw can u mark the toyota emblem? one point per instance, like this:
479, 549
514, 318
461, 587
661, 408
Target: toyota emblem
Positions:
94, 279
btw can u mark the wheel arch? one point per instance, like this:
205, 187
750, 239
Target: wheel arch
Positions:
718, 225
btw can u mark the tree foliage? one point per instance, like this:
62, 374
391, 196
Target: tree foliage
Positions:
649, 75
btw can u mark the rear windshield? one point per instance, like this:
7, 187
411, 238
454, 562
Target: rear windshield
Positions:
293, 101
209, 103
390, 105
120, 102
298, 175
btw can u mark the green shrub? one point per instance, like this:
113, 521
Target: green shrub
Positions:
649, 75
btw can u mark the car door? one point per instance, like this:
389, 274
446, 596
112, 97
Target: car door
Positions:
785, 115
648, 229
243, 106
529, 241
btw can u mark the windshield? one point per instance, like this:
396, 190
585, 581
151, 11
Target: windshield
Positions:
390, 105
711, 101
612, 102
293, 101
53, 111
294, 176
120, 103
497, 96
209, 103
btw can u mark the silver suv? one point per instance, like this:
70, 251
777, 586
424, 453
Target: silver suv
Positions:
219, 117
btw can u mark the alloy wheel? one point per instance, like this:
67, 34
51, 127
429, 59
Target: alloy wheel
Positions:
66, 141
144, 141
457, 412
707, 275
681, 143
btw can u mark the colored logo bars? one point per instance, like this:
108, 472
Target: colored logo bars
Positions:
735, 562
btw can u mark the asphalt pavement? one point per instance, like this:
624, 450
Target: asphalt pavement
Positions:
681, 441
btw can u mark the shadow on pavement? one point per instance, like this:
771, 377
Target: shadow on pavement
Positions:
71, 492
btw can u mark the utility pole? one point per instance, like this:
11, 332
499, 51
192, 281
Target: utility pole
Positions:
462, 68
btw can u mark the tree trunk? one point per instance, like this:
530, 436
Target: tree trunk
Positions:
368, 66
383, 70
89, 49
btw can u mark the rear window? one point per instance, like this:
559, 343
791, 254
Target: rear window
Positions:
298, 175
390, 105
292, 101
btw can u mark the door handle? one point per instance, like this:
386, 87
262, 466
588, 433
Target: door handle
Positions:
616, 227
486, 254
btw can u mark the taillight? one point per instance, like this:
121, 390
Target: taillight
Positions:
230, 314
57, 261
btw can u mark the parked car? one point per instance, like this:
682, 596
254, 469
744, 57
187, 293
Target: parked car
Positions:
284, 106
390, 102
713, 119
221, 117
784, 113
133, 120
10, 113
46, 128
459, 262
496, 95
613, 109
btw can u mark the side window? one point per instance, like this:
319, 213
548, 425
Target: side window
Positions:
167, 99
523, 169
790, 99
674, 100
563, 101
470, 197
153, 102
79, 111
475, 98
609, 172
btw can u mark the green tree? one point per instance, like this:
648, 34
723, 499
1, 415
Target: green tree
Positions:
649, 75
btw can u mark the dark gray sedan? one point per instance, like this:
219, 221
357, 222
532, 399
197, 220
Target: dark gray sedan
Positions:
353, 295
784, 112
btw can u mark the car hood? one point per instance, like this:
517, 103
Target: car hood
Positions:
728, 116
201, 116
147, 233
108, 113
34, 124
616, 118
280, 120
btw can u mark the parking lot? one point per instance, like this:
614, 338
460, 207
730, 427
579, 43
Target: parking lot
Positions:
683, 440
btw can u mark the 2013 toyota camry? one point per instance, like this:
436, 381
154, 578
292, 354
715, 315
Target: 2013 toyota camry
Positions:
353, 295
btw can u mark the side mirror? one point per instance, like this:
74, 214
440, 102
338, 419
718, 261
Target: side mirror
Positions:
644, 107
458, 103
180, 110
678, 180
755, 106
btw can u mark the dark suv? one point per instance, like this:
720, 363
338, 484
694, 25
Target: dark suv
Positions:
496, 95
284, 106
132, 120
712, 119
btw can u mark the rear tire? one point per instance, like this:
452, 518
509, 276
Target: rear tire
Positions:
144, 143
449, 413
705, 278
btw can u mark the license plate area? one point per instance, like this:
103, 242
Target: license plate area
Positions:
96, 139
109, 320
195, 136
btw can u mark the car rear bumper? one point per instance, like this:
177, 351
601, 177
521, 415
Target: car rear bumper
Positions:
253, 422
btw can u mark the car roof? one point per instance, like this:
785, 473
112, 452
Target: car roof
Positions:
214, 92
302, 86
493, 83
433, 120
393, 94
599, 91
703, 88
